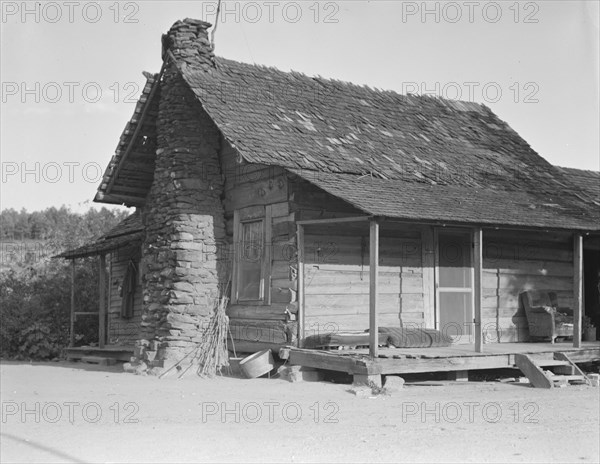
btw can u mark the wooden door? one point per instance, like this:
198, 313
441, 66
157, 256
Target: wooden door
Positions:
454, 284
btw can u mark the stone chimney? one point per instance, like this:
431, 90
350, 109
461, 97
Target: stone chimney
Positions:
184, 214
188, 41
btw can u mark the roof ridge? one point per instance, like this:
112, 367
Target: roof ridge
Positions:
350, 84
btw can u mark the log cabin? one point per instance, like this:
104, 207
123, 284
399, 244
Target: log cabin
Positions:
322, 207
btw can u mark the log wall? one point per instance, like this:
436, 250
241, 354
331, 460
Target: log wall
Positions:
337, 281
122, 331
514, 262
337, 270
251, 185
337, 267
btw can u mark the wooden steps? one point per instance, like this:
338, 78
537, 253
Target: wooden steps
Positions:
103, 361
552, 363
116, 352
565, 371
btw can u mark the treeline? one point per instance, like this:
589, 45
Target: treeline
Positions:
35, 289
56, 223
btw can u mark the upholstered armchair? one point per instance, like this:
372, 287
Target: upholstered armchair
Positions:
545, 318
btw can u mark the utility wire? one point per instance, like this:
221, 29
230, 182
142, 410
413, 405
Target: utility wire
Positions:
212, 34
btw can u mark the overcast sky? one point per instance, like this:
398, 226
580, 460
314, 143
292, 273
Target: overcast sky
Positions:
71, 71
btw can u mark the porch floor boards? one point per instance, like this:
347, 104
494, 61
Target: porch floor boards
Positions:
118, 352
491, 349
440, 359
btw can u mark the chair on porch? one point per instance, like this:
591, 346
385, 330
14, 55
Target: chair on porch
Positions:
545, 318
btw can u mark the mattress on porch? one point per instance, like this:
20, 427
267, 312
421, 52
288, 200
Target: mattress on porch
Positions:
331, 339
414, 337
390, 336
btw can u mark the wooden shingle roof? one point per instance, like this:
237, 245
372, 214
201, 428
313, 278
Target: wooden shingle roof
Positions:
389, 154
128, 232
130, 172
585, 183
401, 156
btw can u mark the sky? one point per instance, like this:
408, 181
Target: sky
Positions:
71, 71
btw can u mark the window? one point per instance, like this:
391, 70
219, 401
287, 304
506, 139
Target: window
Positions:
252, 256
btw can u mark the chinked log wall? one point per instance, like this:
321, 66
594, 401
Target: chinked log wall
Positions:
516, 261
251, 185
122, 331
336, 279
336, 264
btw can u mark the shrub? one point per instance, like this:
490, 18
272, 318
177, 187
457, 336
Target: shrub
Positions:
35, 308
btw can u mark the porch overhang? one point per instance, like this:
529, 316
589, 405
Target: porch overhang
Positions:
398, 199
478, 245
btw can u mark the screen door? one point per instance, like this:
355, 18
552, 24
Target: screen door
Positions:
454, 283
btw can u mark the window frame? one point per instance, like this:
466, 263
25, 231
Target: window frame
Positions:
240, 217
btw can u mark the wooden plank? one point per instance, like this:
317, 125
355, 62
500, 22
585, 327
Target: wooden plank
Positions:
477, 283
530, 267
347, 304
267, 331
279, 210
324, 360
236, 247
300, 277
325, 282
251, 212
261, 192
428, 252
72, 324
247, 346
323, 324
584, 354
577, 288
458, 363
280, 270
102, 301
110, 298
271, 312
526, 282
532, 371
332, 220
266, 263
374, 287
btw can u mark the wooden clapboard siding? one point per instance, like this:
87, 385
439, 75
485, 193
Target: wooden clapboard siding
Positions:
122, 331
516, 261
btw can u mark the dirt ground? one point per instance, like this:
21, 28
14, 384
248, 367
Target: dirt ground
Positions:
73, 412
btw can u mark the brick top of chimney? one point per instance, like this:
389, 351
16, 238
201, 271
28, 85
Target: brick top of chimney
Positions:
188, 41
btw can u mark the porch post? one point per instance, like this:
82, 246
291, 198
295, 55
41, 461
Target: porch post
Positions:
477, 280
300, 281
577, 288
72, 331
102, 301
373, 287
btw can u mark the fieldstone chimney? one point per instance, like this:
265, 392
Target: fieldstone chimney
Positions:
188, 41
183, 214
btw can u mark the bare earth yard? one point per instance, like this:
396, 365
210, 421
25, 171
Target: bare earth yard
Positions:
65, 412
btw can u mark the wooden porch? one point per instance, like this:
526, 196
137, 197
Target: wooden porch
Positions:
476, 289
116, 352
398, 361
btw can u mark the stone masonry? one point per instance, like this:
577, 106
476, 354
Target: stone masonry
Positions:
183, 214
